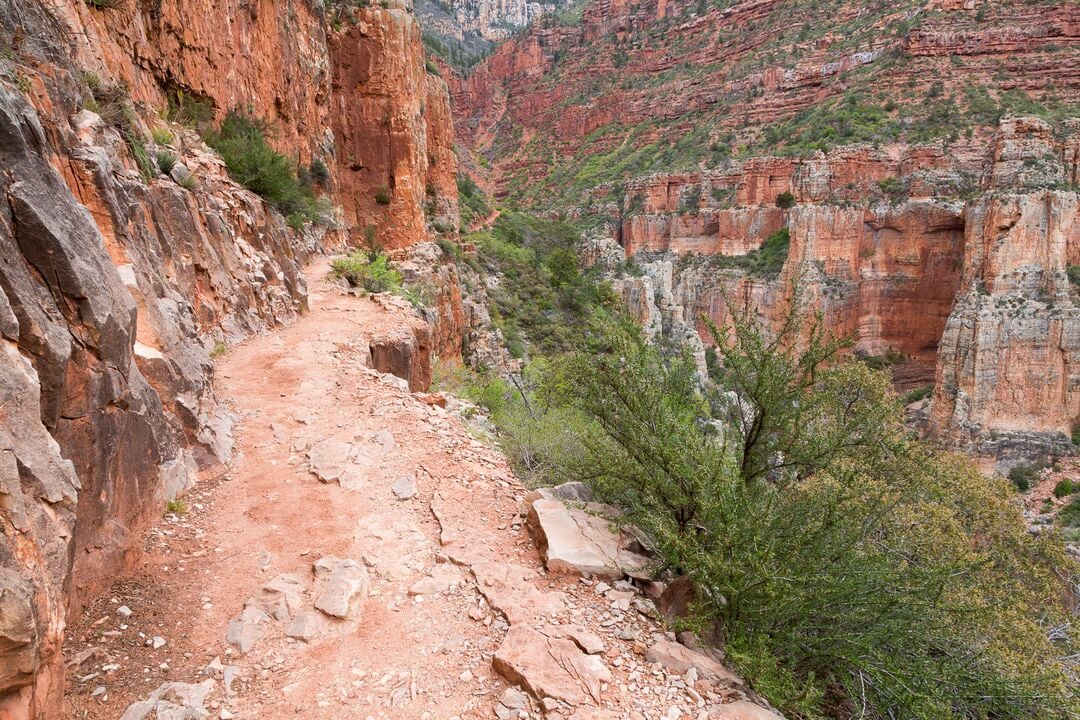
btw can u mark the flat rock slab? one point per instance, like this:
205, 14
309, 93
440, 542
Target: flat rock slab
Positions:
678, 658
595, 713
404, 488
552, 667
573, 542
172, 701
245, 631
279, 598
346, 587
328, 460
743, 710
306, 626
508, 588
442, 578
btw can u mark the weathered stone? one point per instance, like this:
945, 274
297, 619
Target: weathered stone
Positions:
343, 594
245, 631
280, 598
306, 626
442, 578
679, 659
508, 588
328, 460
172, 701
550, 667
574, 542
404, 488
742, 710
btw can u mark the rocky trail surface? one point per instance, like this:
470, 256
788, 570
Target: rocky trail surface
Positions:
366, 557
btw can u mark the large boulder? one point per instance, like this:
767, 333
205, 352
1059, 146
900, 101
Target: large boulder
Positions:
574, 541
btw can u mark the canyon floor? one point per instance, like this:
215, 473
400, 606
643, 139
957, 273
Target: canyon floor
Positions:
446, 571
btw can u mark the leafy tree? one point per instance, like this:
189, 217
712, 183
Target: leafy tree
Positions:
845, 565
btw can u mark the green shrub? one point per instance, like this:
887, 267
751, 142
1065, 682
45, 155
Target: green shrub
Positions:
251, 161
785, 200
176, 506
1069, 516
162, 136
1076, 434
1074, 275
546, 295
137, 146
319, 172
846, 565
1021, 477
771, 256
382, 196
190, 109
432, 68
917, 394
894, 188
370, 271
188, 182
1065, 488
166, 161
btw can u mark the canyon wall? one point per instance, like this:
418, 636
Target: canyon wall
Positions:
120, 282
971, 295
665, 86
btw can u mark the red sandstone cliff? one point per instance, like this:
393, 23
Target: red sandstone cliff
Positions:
975, 292
117, 286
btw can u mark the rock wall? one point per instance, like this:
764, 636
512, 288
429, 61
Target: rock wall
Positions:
1008, 378
974, 296
639, 72
394, 132
118, 285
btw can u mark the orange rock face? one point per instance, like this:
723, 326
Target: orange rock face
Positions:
394, 132
1008, 378
977, 295
266, 56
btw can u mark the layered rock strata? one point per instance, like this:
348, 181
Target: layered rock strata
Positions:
972, 296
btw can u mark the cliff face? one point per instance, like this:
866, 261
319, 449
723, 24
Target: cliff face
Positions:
395, 135
119, 284
648, 85
1008, 379
972, 296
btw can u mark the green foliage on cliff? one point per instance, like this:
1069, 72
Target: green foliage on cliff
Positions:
368, 270
252, 162
845, 565
543, 296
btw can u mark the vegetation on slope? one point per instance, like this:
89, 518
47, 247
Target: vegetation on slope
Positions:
252, 162
721, 90
543, 295
849, 570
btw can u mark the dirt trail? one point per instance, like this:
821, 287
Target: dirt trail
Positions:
445, 569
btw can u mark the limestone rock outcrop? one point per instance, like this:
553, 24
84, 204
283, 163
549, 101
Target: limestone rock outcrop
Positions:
1008, 378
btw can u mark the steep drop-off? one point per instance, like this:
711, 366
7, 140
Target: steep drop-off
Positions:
915, 154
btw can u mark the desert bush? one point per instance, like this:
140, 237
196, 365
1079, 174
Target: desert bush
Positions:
250, 160
1021, 476
162, 136
785, 200
844, 565
1066, 487
370, 271
166, 161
